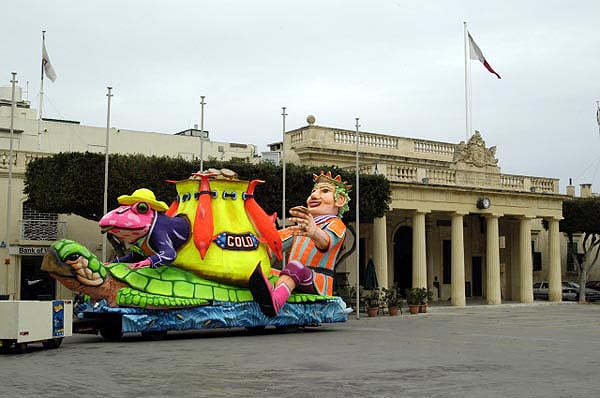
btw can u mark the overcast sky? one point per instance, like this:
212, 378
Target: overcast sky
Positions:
397, 65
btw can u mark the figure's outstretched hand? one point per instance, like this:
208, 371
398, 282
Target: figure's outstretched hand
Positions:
140, 264
305, 223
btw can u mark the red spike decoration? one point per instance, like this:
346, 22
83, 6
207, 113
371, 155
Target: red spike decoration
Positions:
203, 223
263, 224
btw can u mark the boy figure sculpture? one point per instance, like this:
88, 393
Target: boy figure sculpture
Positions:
313, 243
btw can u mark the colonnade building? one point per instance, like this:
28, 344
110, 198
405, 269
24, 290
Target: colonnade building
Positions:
456, 224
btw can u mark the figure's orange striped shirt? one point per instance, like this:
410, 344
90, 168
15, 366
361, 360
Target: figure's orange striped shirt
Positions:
303, 249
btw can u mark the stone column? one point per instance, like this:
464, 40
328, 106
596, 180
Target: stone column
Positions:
492, 259
380, 250
526, 265
419, 278
458, 262
554, 272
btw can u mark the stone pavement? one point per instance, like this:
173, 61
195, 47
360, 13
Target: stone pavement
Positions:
510, 350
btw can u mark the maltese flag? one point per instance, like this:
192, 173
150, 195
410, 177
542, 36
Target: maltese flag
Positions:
476, 54
48, 69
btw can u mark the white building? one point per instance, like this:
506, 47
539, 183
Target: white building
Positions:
31, 233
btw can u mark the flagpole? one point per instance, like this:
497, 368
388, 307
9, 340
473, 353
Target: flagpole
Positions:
13, 105
105, 204
41, 94
467, 85
357, 238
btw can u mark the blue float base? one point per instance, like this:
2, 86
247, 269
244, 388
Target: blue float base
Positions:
221, 315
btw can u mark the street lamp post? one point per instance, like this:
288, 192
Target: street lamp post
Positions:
202, 103
105, 205
283, 114
357, 228
13, 105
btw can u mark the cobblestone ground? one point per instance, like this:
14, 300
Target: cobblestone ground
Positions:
539, 350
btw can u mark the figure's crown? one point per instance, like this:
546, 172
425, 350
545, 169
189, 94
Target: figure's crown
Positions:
337, 180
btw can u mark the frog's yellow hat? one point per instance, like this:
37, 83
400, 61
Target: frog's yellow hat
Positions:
143, 195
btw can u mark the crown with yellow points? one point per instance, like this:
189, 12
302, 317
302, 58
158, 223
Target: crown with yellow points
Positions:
337, 180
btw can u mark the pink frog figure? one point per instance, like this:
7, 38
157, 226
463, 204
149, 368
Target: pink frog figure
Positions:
141, 221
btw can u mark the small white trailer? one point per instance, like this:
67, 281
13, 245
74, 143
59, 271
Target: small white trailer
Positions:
24, 322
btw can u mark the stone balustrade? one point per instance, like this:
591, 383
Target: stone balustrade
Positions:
20, 160
451, 177
418, 161
370, 143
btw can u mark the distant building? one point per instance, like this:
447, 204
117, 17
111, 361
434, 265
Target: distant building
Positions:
31, 232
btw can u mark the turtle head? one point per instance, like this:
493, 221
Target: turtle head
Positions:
67, 259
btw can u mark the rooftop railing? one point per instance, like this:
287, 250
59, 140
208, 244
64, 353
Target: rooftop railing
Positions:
450, 177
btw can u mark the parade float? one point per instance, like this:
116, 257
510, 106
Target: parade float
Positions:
188, 266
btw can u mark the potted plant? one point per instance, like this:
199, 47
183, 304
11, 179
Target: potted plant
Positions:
413, 299
424, 297
372, 299
392, 300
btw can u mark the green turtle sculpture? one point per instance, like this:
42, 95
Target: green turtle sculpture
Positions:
77, 268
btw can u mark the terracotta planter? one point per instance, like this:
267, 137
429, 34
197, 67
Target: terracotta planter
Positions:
372, 311
413, 308
393, 311
423, 308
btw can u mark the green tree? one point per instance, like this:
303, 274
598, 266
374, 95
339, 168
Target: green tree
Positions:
73, 183
582, 216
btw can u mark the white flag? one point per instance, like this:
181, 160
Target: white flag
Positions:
476, 54
48, 69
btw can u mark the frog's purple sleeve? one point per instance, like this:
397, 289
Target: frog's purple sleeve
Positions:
166, 235
130, 257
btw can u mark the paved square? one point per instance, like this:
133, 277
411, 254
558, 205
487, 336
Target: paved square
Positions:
539, 350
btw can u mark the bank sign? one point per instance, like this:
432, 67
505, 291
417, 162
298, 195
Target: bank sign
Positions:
28, 250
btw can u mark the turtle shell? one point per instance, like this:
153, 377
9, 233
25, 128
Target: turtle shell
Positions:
175, 282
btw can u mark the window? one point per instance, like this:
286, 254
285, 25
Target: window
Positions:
447, 262
536, 257
39, 226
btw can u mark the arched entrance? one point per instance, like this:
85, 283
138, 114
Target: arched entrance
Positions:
403, 257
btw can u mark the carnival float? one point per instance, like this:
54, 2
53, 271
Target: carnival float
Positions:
188, 266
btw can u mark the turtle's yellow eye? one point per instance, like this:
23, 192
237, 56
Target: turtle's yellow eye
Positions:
142, 207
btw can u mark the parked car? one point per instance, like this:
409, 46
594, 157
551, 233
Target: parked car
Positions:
540, 291
593, 285
590, 294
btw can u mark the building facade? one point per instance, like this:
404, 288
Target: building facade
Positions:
25, 235
456, 224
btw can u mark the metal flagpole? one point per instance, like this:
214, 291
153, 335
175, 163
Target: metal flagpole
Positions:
105, 206
9, 188
283, 114
357, 228
467, 84
202, 103
41, 95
